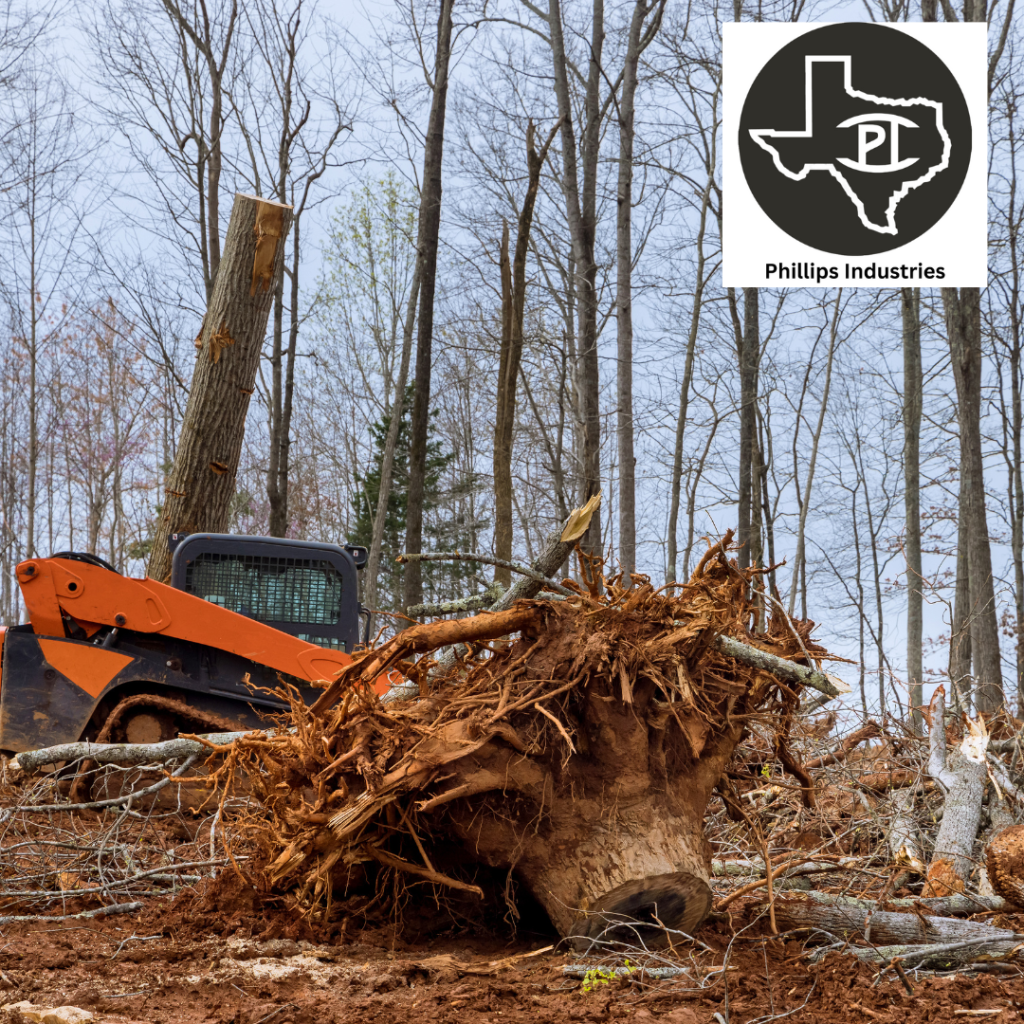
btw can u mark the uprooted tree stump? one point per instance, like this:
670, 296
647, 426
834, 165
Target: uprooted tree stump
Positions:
580, 755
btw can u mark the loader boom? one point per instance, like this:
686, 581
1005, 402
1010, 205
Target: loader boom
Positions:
93, 597
108, 657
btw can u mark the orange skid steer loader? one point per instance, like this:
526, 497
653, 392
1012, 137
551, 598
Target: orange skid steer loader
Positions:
108, 658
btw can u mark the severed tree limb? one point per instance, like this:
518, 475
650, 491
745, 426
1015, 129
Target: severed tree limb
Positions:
935, 955
127, 798
473, 603
30, 761
461, 556
750, 866
114, 908
756, 658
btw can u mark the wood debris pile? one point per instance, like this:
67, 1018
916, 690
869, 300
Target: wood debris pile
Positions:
575, 746
886, 862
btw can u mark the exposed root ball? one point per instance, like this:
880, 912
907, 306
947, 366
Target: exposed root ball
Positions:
636, 913
572, 749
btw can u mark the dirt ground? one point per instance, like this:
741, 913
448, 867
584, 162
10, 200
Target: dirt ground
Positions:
166, 964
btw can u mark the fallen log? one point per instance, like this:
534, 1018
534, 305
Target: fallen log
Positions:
947, 956
849, 918
85, 915
30, 761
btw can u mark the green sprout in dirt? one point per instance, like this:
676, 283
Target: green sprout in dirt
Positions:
598, 976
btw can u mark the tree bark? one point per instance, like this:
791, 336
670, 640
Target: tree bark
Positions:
202, 481
963, 326
800, 561
960, 627
427, 242
913, 402
624, 294
846, 917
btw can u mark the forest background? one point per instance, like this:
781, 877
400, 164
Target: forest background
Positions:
835, 428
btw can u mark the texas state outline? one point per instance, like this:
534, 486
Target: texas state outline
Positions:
760, 134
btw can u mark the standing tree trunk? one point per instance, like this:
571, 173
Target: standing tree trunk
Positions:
960, 627
513, 299
581, 213
800, 561
671, 571
387, 465
427, 242
963, 327
913, 402
283, 369
748, 349
624, 280
202, 481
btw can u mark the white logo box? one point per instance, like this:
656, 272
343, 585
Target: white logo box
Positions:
955, 249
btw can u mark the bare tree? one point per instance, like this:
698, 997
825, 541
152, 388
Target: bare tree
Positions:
641, 34
42, 227
963, 329
913, 401
166, 68
427, 245
513, 305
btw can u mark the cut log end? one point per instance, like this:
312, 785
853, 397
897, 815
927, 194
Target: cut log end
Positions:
1004, 859
644, 912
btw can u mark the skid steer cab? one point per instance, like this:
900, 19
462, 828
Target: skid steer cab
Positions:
108, 658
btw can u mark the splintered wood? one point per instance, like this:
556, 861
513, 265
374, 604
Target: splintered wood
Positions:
575, 746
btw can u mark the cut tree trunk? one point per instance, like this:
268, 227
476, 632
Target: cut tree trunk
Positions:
961, 774
202, 482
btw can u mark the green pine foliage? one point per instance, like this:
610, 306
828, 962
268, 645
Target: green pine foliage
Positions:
445, 528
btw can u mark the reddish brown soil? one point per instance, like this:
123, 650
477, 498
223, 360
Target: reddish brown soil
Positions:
165, 965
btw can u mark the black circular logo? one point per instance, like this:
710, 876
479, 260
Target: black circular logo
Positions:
855, 139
